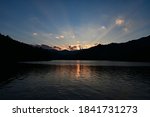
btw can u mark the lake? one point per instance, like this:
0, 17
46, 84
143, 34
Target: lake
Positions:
69, 80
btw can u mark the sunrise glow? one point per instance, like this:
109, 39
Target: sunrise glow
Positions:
74, 24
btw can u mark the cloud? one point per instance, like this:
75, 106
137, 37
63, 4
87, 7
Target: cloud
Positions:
34, 34
57, 48
87, 46
103, 27
60, 37
119, 21
125, 25
73, 47
57, 37
68, 34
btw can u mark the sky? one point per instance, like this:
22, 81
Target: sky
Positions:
74, 23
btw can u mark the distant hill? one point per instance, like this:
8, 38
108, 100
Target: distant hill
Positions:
135, 50
14, 51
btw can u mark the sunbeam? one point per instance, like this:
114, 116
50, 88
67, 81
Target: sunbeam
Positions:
66, 23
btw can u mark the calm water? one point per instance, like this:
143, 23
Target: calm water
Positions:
76, 80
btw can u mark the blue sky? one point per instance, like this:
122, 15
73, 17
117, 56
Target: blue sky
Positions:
74, 22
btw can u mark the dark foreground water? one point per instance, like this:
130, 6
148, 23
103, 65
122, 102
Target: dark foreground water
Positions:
75, 80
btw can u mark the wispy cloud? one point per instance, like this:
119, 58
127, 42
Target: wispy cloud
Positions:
34, 34
120, 21
103, 27
57, 37
124, 24
60, 37
74, 47
57, 48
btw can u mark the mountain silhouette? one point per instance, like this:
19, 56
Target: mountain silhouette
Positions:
135, 50
14, 51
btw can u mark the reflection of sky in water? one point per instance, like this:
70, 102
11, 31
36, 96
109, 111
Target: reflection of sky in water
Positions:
91, 63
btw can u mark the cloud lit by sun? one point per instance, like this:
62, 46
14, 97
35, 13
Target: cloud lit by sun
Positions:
123, 24
119, 21
75, 37
82, 37
60, 37
64, 23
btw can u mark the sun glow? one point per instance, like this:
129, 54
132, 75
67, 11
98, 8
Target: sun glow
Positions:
60, 23
82, 37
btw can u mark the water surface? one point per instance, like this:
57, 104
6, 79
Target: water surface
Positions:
76, 80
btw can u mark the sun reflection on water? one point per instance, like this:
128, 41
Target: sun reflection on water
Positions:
77, 71
82, 71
